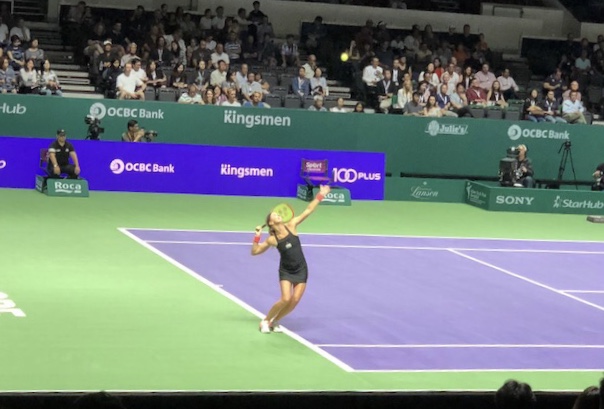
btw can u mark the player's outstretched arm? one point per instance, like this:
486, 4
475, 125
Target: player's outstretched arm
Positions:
257, 247
323, 190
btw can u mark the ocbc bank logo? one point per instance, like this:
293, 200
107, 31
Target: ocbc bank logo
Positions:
344, 175
2, 164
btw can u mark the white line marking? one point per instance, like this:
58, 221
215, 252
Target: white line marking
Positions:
583, 291
374, 235
455, 346
54, 391
354, 246
236, 300
598, 371
528, 280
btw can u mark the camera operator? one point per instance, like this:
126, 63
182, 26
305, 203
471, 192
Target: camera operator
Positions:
59, 153
134, 133
599, 178
525, 167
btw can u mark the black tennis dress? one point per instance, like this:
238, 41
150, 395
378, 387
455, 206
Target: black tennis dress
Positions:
292, 266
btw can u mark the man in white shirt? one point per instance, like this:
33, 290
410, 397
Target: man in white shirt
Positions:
21, 31
205, 22
219, 19
130, 86
310, 66
508, 85
191, 96
219, 55
485, 78
372, 74
137, 70
231, 99
250, 86
241, 75
572, 110
219, 75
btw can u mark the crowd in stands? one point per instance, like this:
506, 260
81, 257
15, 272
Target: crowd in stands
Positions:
23, 66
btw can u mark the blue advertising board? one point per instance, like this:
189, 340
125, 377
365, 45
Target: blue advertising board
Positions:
197, 169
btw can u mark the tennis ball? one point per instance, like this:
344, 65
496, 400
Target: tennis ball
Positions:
344, 57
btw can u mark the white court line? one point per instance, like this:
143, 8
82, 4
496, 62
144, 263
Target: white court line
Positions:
373, 235
354, 246
455, 346
583, 291
236, 300
595, 371
528, 280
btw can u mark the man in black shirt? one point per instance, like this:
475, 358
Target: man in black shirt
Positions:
58, 158
526, 168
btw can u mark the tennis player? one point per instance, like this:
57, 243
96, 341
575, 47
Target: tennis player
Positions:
293, 271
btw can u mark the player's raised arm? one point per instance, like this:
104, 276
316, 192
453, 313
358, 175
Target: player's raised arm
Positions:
323, 190
257, 247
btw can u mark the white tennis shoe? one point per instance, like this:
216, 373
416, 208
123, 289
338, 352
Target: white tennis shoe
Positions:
276, 327
265, 327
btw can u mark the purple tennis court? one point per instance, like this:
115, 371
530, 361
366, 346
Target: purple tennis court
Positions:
383, 303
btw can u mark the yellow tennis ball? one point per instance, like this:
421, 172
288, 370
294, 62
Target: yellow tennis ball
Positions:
344, 57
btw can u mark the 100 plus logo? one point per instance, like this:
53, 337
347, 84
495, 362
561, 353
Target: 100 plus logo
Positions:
118, 166
344, 175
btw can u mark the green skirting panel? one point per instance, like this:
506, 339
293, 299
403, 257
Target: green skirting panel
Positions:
496, 198
425, 190
338, 196
62, 187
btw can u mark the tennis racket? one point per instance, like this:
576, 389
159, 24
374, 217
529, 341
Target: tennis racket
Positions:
285, 211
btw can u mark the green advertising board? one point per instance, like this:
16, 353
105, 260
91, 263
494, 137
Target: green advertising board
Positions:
495, 198
425, 190
413, 145
338, 196
62, 187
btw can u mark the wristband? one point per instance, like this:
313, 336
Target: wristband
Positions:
256, 239
319, 197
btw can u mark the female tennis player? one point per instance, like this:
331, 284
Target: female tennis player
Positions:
293, 271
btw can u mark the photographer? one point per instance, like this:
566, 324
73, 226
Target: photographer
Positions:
599, 178
525, 167
59, 153
134, 133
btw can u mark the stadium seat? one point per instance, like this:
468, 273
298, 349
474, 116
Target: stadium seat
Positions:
274, 100
330, 102
308, 101
292, 101
150, 94
168, 94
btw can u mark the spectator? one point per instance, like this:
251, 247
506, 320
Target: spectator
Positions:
476, 94
191, 96
49, 82
495, 95
249, 50
532, 107
310, 66
572, 110
119, 40
413, 107
459, 102
318, 104
137, 25
250, 87
588, 399
109, 79
385, 54
8, 78
339, 106
555, 83
21, 31
129, 86
412, 43
231, 99
574, 86
429, 75
314, 34
424, 54
372, 74
150, 41
432, 109
233, 47
404, 94
268, 54
161, 54
264, 31
256, 101
515, 395
94, 45
131, 55
208, 96
34, 53
15, 53
137, 70
443, 100
28, 75
59, 153
461, 54
359, 108
485, 78
176, 54
318, 84
508, 85
385, 90
289, 52
266, 87
3, 33
178, 79
218, 19
155, 77
219, 55
105, 59
551, 108
301, 85
205, 22
466, 78
219, 75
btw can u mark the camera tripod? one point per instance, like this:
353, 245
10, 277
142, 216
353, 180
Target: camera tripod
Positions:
567, 153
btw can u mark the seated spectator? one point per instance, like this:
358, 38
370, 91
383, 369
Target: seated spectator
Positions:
572, 110
129, 86
249, 50
555, 83
94, 45
218, 19
21, 31
485, 78
208, 96
219, 76
385, 90
443, 100
372, 74
201, 54
532, 107
413, 107
476, 94
161, 54
256, 101
515, 395
359, 108
266, 87
397, 45
3, 33
202, 78
311, 66
574, 86
339, 106
551, 109
105, 58
508, 85
318, 104
232, 47
191, 96
231, 100
219, 96
314, 35
175, 53
429, 75
49, 82
28, 78
8, 77
264, 31
459, 102
178, 78
354, 53
155, 77
385, 54
424, 54
231, 82
205, 22
219, 55
467, 76
269, 51
250, 87
15, 53
495, 95
137, 70
109, 79
318, 84
300, 85
35, 53
150, 41
432, 109
290, 57
119, 39
404, 94
461, 55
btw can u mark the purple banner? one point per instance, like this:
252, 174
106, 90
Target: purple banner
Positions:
168, 168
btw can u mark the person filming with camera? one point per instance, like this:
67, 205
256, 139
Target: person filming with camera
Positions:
134, 133
598, 176
525, 168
